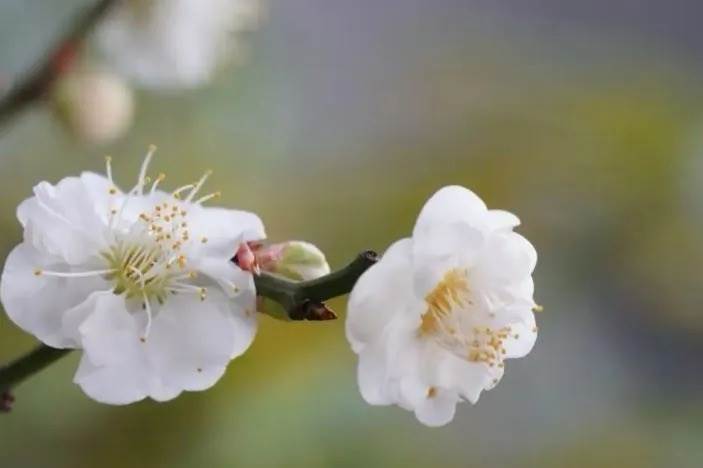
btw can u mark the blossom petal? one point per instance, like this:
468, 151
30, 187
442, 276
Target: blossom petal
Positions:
67, 220
441, 249
371, 376
437, 410
235, 282
466, 378
449, 205
224, 229
507, 257
38, 303
370, 306
115, 385
192, 341
111, 334
188, 348
523, 337
499, 220
113, 369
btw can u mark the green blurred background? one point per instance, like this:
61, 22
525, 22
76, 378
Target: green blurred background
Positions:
584, 118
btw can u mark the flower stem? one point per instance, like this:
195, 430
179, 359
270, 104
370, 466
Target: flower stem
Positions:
301, 300
27, 365
304, 300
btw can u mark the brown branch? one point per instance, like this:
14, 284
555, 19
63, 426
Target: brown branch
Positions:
305, 300
37, 82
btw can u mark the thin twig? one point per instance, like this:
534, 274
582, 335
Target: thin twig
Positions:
305, 300
37, 82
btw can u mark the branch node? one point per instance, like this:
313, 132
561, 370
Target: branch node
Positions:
6, 401
313, 311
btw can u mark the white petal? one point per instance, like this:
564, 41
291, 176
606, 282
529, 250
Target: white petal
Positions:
67, 219
507, 257
121, 384
450, 205
192, 341
438, 409
113, 369
224, 229
38, 303
443, 247
111, 334
467, 379
371, 376
380, 293
114, 385
235, 282
525, 331
188, 348
498, 220
217, 223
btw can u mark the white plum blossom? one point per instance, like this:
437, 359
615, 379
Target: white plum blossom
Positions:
141, 281
435, 319
174, 43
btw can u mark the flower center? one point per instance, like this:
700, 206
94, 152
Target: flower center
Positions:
455, 322
145, 259
147, 262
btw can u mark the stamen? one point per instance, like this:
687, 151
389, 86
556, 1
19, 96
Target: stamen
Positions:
108, 168
198, 185
176, 192
142, 172
147, 307
73, 274
159, 179
208, 197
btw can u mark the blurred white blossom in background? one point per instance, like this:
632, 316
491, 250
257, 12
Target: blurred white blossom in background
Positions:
435, 319
93, 105
172, 44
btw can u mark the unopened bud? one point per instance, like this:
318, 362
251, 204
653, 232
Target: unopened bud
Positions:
95, 106
295, 260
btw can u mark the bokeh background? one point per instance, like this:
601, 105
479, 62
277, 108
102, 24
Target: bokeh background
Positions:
584, 118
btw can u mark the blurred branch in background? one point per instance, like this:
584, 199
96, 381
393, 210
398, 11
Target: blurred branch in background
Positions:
301, 301
35, 84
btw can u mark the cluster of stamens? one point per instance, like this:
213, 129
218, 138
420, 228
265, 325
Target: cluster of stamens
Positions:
146, 260
454, 322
